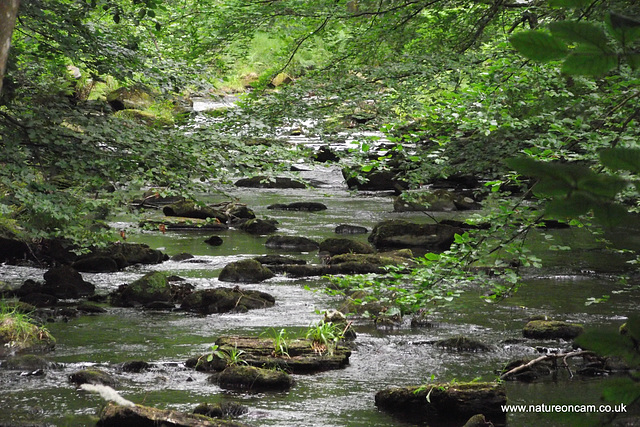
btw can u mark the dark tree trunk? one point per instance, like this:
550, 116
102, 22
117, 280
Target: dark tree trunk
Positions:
8, 15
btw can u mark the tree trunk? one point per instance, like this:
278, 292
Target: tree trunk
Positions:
8, 15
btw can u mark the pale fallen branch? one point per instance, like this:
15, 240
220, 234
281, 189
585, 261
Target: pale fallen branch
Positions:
563, 356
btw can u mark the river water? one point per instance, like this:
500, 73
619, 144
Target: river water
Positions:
382, 357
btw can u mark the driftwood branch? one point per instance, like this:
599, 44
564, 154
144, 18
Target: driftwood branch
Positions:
563, 356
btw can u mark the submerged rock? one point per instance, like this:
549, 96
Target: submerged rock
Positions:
247, 271
296, 243
181, 223
251, 378
114, 415
350, 229
28, 362
259, 226
271, 260
336, 245
221, 410
299, 206
214, 241
437, 200
551, 329
267, 182
461, 343
222, 300
445, 402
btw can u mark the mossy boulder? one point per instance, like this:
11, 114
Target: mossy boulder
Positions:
302, 358
129, 98
259, 226
222, 300
18, 334
449, 402
251, 378
404, 234
113, 415
144, 117
190, 209
268, 182
247, 271
336, 245
292, 243
151, 287
92, 376
551, 329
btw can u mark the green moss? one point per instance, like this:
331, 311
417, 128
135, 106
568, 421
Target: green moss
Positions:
18, 332
150, 287
10, 229
146, 117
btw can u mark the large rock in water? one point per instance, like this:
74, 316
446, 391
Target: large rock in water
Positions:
253, 379
299, 206
113, 415
404, 234
551, 329
247, 270
151, 287
222, 300
118, 256
259, 226
189, 209
445, 403
267, 182
66, 282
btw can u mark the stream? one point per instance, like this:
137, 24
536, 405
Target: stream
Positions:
382, 357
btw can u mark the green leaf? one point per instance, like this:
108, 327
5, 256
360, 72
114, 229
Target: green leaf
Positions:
608, 344
633, 327
589, 63
367, 168
621, 159
610, 214
580, 32
621, 390
538, 46
576, 205
571, 4
633, 59
625, 29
